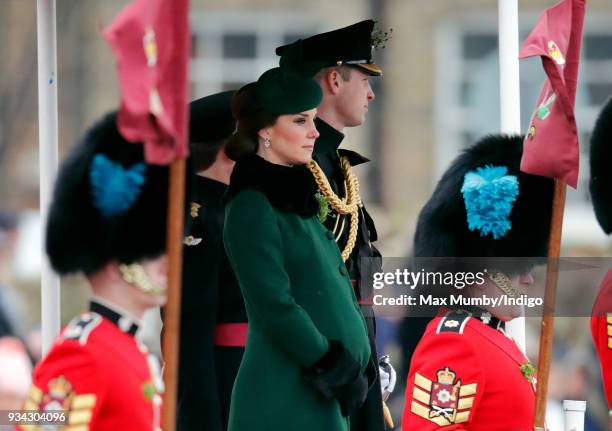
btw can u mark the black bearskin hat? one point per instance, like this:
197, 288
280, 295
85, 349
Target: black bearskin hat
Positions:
454, 227
601, 176
108, 204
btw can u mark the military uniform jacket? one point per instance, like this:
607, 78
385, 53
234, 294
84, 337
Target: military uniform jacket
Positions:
98, 372
210, 295
362, 262
209, 284
466, 375
297, 294
601, 330
327, 155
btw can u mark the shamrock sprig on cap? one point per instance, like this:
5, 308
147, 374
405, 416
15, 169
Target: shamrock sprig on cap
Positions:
380, 37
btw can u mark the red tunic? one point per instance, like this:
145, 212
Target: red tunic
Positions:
100, 374
601, 329
466, 375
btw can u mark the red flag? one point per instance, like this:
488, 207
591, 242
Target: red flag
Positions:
551, 145
151, 39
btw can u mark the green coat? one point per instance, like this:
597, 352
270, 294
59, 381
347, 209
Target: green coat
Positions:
297, 296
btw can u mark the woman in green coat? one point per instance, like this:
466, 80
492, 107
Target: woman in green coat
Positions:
306, 361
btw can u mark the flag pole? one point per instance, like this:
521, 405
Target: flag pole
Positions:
161, 29
170, 339
554, 246
176, 220
48, 160
510, 104
550, 295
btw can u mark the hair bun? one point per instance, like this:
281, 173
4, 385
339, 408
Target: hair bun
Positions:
250, 119
239, 145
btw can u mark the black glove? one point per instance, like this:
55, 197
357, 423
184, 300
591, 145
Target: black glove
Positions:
353, 395
337, 375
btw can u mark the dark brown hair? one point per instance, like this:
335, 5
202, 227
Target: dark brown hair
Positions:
251, 118
203, 154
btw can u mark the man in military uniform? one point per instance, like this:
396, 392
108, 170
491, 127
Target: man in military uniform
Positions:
601, 331
466, 373
341, 62
601, 196
107, 221
213, 316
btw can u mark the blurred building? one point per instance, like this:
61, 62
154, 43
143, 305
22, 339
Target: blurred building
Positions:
439, 92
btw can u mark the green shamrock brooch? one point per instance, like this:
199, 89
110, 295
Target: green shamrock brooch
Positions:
528, 371
323, 207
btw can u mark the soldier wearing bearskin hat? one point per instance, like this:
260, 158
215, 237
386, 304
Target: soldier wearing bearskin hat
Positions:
601, 194
107, 221
465, 373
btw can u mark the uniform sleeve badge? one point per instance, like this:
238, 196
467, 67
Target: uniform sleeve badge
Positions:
609, 328
445, 401
60, 396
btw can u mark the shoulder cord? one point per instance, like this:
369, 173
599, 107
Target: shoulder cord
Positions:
350, 205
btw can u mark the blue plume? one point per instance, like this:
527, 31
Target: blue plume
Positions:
489, 195
115, 188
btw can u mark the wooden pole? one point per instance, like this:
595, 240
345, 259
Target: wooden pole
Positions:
550, 294
170, 341
554, 245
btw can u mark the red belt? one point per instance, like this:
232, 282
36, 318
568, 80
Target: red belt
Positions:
231, 334
235, 334
361, 301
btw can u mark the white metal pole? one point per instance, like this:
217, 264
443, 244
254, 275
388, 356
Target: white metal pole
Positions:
510, 104
48, 154
510, 98
574, 415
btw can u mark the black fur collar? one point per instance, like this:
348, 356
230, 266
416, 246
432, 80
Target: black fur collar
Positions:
288, 189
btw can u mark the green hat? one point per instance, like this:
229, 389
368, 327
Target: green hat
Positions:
352, 45
210, 118
282, 92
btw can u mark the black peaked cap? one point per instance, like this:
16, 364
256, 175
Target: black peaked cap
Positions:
210, 118
350, 45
